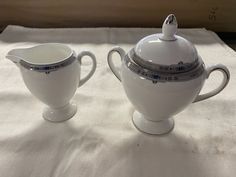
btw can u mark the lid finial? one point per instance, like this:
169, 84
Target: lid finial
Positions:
169, 28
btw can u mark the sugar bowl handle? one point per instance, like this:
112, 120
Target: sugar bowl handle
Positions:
89, 75
226, 77
121, 52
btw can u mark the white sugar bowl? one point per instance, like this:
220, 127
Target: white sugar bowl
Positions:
161, 76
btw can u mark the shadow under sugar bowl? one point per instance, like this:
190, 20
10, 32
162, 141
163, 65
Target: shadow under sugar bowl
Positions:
161, 76
51, 71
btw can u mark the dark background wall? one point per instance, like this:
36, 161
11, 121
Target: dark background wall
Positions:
216, 15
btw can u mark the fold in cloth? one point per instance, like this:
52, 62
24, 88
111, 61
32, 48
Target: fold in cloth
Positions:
100, 140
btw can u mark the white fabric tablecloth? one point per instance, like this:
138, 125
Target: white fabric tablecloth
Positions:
100, 140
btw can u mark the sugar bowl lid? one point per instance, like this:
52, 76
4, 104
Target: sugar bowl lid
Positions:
166, 52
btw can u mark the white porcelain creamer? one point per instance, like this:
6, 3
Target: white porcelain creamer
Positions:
51, 71
161, 76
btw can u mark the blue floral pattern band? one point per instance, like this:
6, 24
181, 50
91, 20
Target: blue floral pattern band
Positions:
48, 68
160, 76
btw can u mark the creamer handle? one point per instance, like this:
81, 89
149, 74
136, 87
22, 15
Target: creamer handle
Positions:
226, 76
121, 52
89, 75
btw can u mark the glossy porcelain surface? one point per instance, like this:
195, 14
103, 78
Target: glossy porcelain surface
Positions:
152, 48
164, 99
52, 74
163, 76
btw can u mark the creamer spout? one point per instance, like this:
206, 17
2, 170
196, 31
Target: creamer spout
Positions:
15, 55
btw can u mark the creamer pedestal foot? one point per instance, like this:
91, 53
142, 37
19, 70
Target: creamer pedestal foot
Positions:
60, 114
152, 127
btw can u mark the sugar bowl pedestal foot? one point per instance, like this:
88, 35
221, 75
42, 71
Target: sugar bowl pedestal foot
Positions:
152, 127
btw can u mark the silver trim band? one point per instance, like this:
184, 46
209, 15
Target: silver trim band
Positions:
174, 68
48, 68
156, 76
